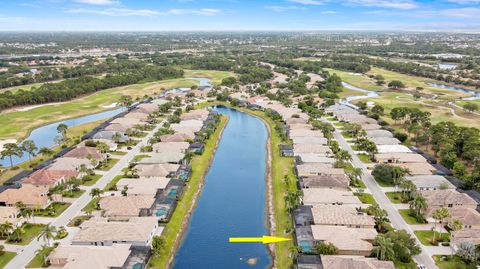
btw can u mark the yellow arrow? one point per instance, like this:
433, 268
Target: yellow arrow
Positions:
264, 239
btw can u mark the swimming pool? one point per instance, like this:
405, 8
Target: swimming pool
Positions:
305, 246
161, 212
172, 192
138, 266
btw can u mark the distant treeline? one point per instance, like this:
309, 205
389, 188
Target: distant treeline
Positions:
72, 88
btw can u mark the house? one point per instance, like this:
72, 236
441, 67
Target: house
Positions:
349, 241
117, 127
309, 140
370, 126
170, 147
196, 147
286, 150
312, 169
49, 178
136, 115
430, 182
91, 257
128, 121
175, 138
399, 158
393, 149
314, 158
378, 133
309, 262
112, 146
10, 214
469, 217
324, 196
311, 148
385, 140
304, 133
198, 114
156, 170
415, 169
126, 206
290, 121
299, 126
465, 235
354, 262
341, 215
85, 153
326, 181
164, 157
70, 164
143, 187
110, 135
147, 108
30, 195
450, 199
137, 231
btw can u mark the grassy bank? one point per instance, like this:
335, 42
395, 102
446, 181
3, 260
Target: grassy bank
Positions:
214, 76
200, 165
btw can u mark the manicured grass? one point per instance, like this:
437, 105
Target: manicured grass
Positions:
359, 184
426, 237
139, 157
452, 263
401, 265
91, 206
384, 184
366, 198
18, 124
110, 163
111, 185
31, 231
216, 77
76, 221
73, 194
395, 197
119, 153
6, 257
405, 213
356, 79
365, 158
200, 164
347, 135
37, 261
53, 210
92, 181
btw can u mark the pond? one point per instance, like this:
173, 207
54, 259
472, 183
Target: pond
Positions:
475, 95
45, 136
348, 99
233, 201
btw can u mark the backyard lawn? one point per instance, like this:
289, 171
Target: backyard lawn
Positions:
6, 257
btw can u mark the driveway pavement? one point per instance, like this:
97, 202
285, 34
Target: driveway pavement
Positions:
393, 214
23, 258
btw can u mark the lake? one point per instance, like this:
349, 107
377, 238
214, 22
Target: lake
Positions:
233, 201
475, 95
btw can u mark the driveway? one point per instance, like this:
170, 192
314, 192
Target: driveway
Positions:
393, 214
22, 259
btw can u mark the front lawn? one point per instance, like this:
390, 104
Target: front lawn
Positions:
73, 194
92, 205
78, 220
38, 260
112, 185
409, 218
53, 210
6, 257
451, 263
426, 237
107, 166
91, 180
396, 197
365, 158
30, 232
118, 153
366, 198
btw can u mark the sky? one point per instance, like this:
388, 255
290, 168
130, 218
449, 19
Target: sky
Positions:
238, 15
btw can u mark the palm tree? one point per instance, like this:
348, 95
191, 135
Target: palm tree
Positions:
27, 212
407, 186
10, 150
356, 174
96, 192
5, 229
45, 151
48, 233
29, 147
43, 252
418, 204
439, 215
16, 235
383, 249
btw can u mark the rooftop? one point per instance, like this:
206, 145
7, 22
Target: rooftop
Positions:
340, 215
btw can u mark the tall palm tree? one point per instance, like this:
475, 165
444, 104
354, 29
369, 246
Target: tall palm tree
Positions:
48, 233
418, 204
27, 212
96, 192
29, 147
43, 252
16, 234
5, 229
383, 249
439, 215
356, 174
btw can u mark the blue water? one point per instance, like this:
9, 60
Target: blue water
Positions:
161, 212
172, 192
45, 136
232, 203
475, 95
137, 266
305, 246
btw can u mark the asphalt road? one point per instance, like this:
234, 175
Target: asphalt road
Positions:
393, 214
23, 258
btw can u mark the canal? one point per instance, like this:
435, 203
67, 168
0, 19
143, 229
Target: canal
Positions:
233, 201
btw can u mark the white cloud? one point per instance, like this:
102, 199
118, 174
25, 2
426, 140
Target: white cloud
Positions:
284, 8
462, 12
29, 5
202, 11
399, 4
307, 2
328, 12
98, 2
464, 2
115, 12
